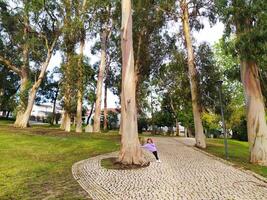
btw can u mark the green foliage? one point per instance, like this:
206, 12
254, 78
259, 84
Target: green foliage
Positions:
233, 97
9, 86
143, 123
248, 20
112, 120
210, 121
208, 75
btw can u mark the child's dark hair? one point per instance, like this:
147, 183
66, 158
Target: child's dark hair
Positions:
148, 140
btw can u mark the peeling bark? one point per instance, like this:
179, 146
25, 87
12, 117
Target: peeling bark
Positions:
256, 122
63, 121
67, 122
100, 82
105, 108
177, 128
130, 152
54, 107
199, 133
80, 89
24, 114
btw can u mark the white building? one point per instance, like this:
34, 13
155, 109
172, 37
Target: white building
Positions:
42, 111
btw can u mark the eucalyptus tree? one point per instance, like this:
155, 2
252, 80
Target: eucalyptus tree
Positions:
103, 24
70, 39
189, 13
247, 20
29, 32
150, 47
130, 152
173, 86
81, 8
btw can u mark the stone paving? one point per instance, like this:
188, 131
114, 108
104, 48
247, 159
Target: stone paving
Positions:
184, 173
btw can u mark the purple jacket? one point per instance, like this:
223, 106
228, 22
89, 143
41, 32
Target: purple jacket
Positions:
150, 147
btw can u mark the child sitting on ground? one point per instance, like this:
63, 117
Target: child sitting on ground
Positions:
150, 146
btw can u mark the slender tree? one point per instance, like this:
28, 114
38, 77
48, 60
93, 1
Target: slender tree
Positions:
69, 61
130, 152
100, 80
105, 20
80, 84
192, 72
33, 34
250, 21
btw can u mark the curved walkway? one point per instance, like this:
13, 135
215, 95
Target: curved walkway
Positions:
184, 173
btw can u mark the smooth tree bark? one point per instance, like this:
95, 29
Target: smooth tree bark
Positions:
69, 42
137, 68
67, 122
80, 72
80, 91
177, 132
63, 120
256, 121
199, 133
90, 114
130, 152
105, 108
54, 106
96, 127
80, 88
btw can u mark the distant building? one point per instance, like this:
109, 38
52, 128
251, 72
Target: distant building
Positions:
40, 112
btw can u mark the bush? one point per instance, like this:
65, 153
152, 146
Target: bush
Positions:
240, 130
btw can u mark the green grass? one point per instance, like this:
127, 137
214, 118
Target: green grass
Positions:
35, 163
238, 154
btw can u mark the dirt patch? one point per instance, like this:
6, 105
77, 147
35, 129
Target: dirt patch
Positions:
112, 163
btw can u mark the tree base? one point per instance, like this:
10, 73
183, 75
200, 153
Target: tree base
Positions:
200, 146
113, 163
258, 154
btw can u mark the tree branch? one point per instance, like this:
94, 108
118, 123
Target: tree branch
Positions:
9, 65
45, 63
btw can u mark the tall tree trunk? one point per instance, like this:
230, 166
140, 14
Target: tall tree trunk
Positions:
137, 70
54, 107
105, 108
177, 128
130, 152
24, 77
80, 88
80, 71
256, 122
23, 99
100, 82
63, 120
67, 122
199, 134
175, 117
7, 114
23, 119
91, 112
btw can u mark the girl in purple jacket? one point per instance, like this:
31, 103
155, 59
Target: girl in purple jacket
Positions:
150, 146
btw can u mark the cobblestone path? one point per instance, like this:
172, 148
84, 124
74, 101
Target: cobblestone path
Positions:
184, 173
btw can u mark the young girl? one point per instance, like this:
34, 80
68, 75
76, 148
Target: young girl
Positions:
150, 146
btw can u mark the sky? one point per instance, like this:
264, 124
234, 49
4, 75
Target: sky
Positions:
208, 34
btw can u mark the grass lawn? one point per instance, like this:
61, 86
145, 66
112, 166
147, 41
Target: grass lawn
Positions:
238, 154
35, 163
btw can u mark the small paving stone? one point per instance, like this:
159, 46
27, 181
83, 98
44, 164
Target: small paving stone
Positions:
184, 173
